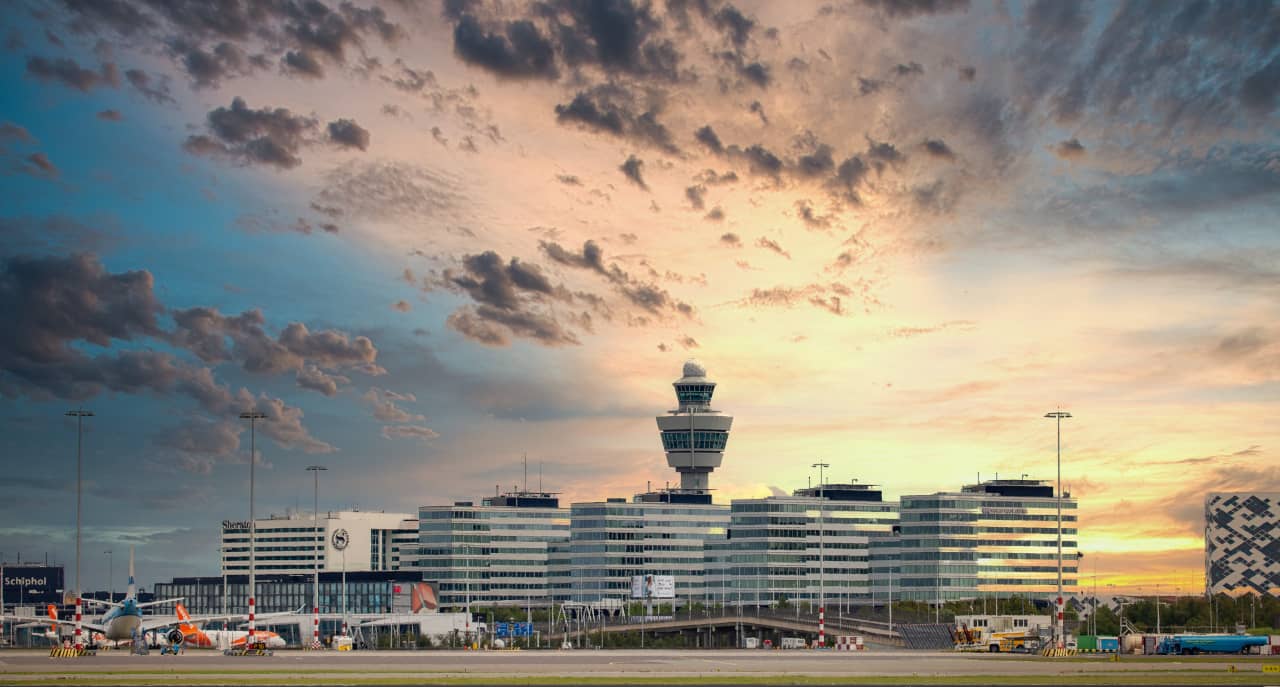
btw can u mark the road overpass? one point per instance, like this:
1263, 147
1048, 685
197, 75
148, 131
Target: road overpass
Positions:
728, 629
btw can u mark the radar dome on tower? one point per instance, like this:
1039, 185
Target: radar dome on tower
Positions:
693, 368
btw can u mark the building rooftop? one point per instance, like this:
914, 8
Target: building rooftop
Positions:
851, 491
1012, 487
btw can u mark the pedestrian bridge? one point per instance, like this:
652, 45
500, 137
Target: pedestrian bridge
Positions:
750, 625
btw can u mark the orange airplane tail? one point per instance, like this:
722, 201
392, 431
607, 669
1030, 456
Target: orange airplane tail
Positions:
186, 627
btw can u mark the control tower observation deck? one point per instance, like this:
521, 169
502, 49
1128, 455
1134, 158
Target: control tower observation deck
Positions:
694, 435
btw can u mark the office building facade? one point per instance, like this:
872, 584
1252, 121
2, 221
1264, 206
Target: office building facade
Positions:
656, 533
815, 545
343, 540
998, 537
1242, 542
496, 553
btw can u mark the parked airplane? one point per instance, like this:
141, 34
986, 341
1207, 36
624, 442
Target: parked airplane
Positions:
218, 639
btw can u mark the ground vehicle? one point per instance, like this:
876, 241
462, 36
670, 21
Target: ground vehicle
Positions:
1209, 644
793, 643
1011, 641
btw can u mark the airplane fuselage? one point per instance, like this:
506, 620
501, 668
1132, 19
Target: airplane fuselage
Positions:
121, 621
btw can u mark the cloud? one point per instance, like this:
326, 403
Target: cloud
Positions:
409, 432
511, 298
610, 109
938, 149
715, 215
208, 68
707, 137
632, 168
348, 134
266, 136
1070, 149
38, 165
155, 90
315, 379
110, 115
1260, 89
517, 50
402, 306
67, 72
770, 244
646, 296
385, 190
907, 9
731, 239
695, 195
385, 408
568, 180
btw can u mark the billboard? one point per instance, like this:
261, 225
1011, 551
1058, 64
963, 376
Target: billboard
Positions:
653, 587
33, 584
414, 597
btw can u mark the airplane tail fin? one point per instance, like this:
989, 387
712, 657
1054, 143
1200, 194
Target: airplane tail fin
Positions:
133, 586
186, 627
53, 615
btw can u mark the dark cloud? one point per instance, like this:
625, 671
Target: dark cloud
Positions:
110, 115
383, 190
568, 180
735, 25
967, 73
938, 148
810, 217
816, 164
208, 68
348, 134
12, 132
908, 69
612, 110
385, 408
633, 168
1070, 149
517, 50
869, 86
1242, 343
906, 9
707, 137
67, 72
712, 178
883, 154
755, 72
731, 239
268, 136
303, 63
758, 109
695, 194
646, 296
760, 160
491, 282
157, 91
715, 215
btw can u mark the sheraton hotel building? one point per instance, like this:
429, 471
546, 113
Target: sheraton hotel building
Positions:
996, 537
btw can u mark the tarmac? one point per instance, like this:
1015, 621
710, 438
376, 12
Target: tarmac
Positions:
718, 666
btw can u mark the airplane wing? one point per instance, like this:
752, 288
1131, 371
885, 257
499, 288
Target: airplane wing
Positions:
201, 619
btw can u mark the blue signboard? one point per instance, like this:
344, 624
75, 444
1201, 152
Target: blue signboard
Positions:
513, 629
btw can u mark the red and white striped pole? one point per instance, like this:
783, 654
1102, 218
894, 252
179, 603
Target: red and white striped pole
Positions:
1062, 628
79, 608
251, 624
315, 627
822, 627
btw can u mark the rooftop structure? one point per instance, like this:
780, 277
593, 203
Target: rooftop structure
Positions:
694, 435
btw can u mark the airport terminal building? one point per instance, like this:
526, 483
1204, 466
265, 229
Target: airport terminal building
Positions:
998, 537
842, 543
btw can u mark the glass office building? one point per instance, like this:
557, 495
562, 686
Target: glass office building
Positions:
656, 533
366, 592
773, 549
492, 554
998, 537
1242, 542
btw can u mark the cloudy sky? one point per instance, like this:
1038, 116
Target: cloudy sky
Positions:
430, 238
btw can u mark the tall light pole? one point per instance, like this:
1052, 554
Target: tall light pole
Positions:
1060, 629
822, 560
111, 585
252, 416
315, 470
79, 414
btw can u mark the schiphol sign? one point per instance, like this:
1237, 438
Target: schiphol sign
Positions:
34, 584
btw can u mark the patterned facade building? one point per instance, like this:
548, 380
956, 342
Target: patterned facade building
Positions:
1242, 542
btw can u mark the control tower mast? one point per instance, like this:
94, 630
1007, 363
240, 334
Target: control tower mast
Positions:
694, 435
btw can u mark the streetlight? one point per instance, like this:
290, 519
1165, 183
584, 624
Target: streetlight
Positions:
822, 561
79, 414
315, 470
1060, 629
252, 416
111, 585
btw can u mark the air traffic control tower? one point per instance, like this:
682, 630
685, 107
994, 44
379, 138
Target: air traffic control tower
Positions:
694, 435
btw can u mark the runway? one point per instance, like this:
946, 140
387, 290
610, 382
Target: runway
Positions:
564, 667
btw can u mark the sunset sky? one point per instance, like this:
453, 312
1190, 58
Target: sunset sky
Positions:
429, 238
